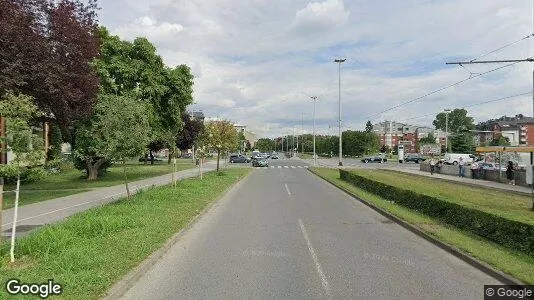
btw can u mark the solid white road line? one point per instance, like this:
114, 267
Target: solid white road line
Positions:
287, 167
292, 167
324, 282
279, 167
287, 189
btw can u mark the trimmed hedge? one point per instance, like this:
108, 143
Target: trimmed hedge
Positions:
511, 234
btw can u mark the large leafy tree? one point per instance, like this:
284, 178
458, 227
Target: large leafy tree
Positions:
458, 126
47, 50
356, 143
118, 130
368, 127
221, 136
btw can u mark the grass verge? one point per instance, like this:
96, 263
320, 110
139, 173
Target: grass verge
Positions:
516, 264
72, 181
92, 250
507, 205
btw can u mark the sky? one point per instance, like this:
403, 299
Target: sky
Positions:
259, 62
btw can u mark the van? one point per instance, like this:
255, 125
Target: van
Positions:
454, 158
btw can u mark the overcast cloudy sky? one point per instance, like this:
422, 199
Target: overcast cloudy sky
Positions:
256, 62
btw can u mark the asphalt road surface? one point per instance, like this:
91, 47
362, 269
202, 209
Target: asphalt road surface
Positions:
285, 234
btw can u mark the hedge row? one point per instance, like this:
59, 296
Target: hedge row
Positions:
511, 234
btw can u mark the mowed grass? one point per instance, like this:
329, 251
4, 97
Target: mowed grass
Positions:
92, 250
73, 181
514, 263
507, 205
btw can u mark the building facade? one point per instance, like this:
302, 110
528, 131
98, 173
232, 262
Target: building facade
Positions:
392, 133
518, 129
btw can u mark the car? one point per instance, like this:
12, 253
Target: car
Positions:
454, 158
238, 158
142, 159
415, 157
371, 159
187, 155
490, 166
274, 156
261, 162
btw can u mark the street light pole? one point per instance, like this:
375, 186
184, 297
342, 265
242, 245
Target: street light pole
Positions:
314, 99
447, 130
301, 131
339, 61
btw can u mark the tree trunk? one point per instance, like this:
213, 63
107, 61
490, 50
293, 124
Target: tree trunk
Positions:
1, 203
15, 216
92, 169
125, 178
218, 154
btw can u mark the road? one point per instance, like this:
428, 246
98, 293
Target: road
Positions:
285, 234
33, 216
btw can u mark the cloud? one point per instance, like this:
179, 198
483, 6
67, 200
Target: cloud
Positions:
257, 64
321, 16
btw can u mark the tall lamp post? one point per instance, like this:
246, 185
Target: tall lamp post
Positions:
339, 61
301, 131
447, 111
314, 99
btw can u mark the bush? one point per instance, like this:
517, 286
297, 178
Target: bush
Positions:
509, 233
27, 175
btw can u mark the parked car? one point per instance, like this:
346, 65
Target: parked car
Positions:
142, 159
274, 156
372, 159
261, 162
187, 155
238, 158
490, 166
415, 157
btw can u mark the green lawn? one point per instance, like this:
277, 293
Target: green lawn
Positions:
517, 264
72, 181
507, 205
92, 250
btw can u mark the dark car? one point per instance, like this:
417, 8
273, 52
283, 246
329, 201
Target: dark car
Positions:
237, 158
373, 159
415, 157
147, 158
260, 162
274, 156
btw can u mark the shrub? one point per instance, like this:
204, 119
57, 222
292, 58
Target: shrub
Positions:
509, 233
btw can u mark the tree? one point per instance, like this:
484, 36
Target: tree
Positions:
47, 50
500, 141
191, 131
458, 121
429, 139
220, 136
264, 145
118, 130
26, 146
368, 127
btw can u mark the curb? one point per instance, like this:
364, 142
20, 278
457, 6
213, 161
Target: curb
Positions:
480, 265
464, 183
120, 288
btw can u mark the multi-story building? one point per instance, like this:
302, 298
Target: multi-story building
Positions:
249, 136
393, 133
518, 129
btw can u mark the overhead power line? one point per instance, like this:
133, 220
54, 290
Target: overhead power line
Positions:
437, 91
472, 105
500, 48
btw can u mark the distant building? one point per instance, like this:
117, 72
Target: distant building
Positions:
197, 115
518, 129
393, 133
249, 136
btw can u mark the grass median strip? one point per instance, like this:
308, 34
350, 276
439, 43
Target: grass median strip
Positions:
92, 250
72, 182
517, 264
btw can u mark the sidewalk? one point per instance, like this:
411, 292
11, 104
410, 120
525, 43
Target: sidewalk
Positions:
468, 181
35, 215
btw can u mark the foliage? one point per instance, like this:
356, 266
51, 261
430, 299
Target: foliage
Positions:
500, 141
264, 145
509, 233
357, 143
55, 139
26, 146
458, 121
191, 131
368, 127
118, 130
47, 48
429, 139
220, 136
